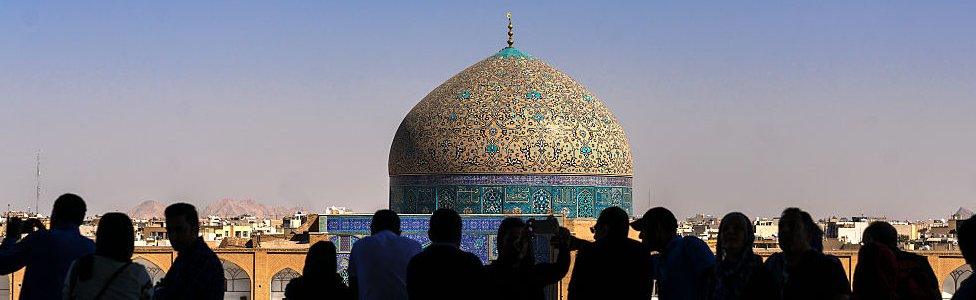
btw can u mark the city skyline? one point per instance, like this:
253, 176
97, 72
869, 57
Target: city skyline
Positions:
838, 108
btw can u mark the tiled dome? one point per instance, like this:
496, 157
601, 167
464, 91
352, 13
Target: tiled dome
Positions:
510, 113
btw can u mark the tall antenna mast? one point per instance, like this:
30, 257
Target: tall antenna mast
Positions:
37, 181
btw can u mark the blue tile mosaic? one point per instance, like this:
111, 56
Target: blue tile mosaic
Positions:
478, 231
574, 196
478, 235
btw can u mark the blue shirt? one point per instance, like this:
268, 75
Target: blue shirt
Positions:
47, 254
379, 264
682, 269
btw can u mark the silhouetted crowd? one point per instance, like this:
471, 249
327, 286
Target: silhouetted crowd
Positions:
61, 263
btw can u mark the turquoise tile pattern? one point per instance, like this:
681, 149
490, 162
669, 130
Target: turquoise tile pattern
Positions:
573, 196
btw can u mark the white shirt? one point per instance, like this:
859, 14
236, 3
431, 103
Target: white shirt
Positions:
132, 283
379, 264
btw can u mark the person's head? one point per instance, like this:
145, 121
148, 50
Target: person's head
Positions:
881, 232
385, 219
182, 225
612, 224
445, 227
735, 235
797, 231
657, 227
69, 210
966, 233
514, 239
321, 260
115, 237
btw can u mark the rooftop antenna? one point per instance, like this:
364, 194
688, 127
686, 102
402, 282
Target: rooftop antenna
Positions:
37, 181
511, 34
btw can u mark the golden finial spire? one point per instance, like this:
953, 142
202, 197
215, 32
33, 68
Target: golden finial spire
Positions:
511, 34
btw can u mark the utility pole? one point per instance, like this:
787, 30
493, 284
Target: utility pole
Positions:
37, 182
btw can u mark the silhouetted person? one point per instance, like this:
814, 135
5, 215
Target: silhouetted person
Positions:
802, 271
443, 270
196, 273
739, 272
47, 254
912, 273
966, 233
875, 275
516, 269
614, 266
378, 263
685, 263
110, 272
319, 278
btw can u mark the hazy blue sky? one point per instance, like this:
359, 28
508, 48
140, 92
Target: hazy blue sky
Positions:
840, 107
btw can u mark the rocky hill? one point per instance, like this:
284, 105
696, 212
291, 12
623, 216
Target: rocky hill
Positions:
147, 209
233, 207
224, 208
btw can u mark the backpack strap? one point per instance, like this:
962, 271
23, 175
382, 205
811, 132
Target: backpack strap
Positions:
111, 279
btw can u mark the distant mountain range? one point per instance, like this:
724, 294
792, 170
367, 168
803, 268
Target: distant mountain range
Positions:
147, 209
223, 208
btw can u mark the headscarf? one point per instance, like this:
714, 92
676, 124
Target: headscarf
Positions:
114, 239
320, 264
731, 277
875, 275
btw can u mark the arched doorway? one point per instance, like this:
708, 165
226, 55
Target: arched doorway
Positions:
279, 281
237, 284
155, 272
951, 283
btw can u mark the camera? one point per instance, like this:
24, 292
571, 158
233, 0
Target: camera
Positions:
25, 226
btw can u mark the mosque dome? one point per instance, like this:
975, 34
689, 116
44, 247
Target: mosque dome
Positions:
511, 135
510, 113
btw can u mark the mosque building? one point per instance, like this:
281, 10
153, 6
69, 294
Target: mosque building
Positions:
509, 135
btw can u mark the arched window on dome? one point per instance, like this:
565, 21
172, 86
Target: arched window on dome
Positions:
237, 284
279, 281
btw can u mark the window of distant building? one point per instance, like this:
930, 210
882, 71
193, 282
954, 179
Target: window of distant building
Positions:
237, 284
155, 273
951, 283
280, 281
